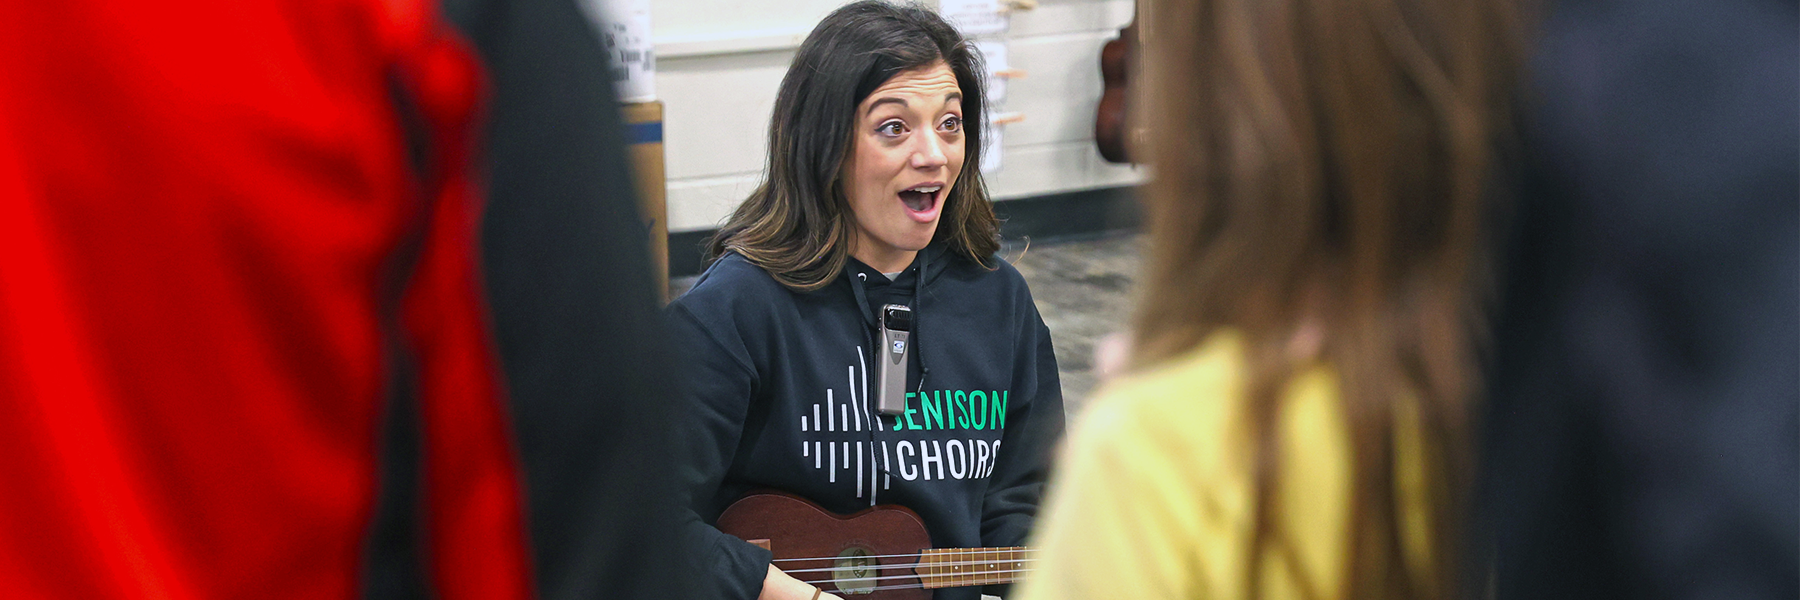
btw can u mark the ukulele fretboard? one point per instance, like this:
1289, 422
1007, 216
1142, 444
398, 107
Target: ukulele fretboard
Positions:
957, 567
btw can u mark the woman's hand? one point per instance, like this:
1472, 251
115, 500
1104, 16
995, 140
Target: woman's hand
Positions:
782, 586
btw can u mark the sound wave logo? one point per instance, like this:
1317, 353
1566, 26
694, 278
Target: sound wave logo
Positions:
839, 422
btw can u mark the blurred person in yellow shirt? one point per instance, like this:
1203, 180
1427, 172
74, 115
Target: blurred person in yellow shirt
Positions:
1294, 421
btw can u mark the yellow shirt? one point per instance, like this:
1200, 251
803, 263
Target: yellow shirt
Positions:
1154, 498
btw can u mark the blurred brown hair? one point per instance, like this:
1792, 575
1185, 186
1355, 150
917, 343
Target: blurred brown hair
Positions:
1321, 171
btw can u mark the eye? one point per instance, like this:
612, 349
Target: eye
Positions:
952, 124
891, 128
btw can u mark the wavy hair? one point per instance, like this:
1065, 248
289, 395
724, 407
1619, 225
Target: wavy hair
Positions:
798, 224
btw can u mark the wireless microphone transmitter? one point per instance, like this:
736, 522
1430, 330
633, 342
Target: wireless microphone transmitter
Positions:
896, 347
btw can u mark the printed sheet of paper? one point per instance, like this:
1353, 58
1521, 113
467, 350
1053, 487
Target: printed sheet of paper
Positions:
990, 145
624, 27
994, 52
974, 17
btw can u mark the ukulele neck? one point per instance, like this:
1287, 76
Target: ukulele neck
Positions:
958, 567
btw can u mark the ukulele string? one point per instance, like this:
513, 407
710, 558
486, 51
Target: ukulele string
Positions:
975, 579
914, 586
886, 567
943, 552
919, 558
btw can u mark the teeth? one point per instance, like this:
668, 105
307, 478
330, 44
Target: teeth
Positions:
930, 189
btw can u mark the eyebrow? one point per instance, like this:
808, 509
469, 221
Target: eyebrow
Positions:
882, 101
891, 100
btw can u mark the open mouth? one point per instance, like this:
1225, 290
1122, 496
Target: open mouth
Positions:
921, 198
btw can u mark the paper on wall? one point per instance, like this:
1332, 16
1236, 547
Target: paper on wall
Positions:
994, 52
974, 17
990, 145
624, 27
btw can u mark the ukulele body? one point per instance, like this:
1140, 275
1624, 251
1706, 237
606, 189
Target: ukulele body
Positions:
846, 549
1111, 127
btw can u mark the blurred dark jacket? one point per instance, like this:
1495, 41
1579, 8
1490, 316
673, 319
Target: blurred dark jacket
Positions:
575, 311
1642, 429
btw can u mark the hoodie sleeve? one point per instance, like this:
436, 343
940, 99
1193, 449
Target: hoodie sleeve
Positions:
718, 382
1035, 422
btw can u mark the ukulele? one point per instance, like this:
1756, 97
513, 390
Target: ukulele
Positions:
879, 553
1110, 122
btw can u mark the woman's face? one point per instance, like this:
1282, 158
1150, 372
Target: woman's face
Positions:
906, 154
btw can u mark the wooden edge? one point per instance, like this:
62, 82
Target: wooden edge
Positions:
641, 112
764, 544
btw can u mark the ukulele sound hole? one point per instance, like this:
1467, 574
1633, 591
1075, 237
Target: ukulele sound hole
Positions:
854, 571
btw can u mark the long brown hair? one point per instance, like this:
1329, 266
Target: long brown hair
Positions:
797, 225
1322, 166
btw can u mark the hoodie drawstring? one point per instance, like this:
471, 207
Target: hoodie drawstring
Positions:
857, 282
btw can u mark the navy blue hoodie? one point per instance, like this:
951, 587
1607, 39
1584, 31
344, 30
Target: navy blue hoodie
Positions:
780, 382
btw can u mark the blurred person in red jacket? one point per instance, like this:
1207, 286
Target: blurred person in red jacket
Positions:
230, 234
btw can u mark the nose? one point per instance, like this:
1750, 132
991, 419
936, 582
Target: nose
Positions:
929, 153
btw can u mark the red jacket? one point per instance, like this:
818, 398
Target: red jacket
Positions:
221, 250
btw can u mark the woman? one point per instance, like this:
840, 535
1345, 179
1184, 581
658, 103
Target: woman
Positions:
872, 198
1296, 423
